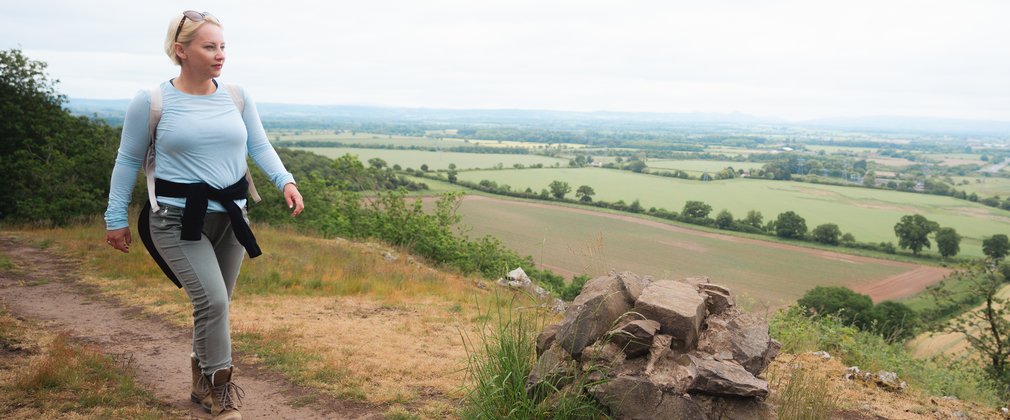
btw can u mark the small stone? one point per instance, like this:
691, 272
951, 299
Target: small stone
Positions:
822, 354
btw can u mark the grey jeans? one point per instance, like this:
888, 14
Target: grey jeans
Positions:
207, 270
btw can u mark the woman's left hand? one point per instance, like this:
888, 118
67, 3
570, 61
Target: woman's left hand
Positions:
293, 198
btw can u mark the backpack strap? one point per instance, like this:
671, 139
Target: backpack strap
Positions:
235, 91
152, 128
154, 117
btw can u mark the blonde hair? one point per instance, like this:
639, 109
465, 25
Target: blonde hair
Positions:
186, 35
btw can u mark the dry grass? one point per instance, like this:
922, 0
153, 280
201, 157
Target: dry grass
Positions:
331, 314
44, 375
805, 386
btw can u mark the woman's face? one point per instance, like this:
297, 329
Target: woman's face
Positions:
205, 53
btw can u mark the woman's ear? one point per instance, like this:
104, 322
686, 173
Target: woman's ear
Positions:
179, 51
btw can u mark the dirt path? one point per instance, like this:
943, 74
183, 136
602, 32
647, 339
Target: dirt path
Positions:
45, 287
907, 283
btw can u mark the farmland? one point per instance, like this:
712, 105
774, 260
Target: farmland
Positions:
574, 241
437, 160
868, 214
280, 138
697, 167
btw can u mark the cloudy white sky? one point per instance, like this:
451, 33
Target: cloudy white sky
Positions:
791, 59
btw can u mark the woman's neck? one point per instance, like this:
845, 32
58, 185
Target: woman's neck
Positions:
194, 86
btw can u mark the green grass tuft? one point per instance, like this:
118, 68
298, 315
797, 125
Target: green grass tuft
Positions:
499, 362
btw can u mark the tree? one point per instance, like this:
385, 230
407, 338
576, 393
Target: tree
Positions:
635, 207
851, 307
585, 193
452, 176
636, 166
987, 329
894, 321
948, 242
559, 189
424, 167
58, 165
696, 210
377, 163
790, 225
913, 232
724, 220
827, 233
754, 218
996, 246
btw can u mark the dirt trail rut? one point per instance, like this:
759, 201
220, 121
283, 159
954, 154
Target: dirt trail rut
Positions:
45, 287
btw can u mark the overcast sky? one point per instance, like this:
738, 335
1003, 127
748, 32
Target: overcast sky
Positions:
791, 59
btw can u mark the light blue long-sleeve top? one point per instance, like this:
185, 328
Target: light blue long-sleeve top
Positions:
200, 138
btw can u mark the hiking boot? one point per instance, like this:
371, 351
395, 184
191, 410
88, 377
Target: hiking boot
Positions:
200, 387
223, 395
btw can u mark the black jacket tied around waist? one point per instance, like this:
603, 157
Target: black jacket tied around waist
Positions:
197, 196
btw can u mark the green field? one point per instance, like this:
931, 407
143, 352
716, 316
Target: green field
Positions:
436, 160
573, 241
984, 186
700, 166
868, 214
841, 149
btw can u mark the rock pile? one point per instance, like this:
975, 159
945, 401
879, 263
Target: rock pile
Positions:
663, 349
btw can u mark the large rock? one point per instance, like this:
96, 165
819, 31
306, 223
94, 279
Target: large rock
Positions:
678, 407
629, 397
726, 378
632, 285
546, 338
677, 306
602, 355
743, 338
732, 408
554, 369
592, 314
674, 374
718, 299
635, 337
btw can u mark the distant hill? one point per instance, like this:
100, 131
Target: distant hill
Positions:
896, 124
113, 110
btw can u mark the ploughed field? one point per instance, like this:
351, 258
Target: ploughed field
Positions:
868, 214
573, 241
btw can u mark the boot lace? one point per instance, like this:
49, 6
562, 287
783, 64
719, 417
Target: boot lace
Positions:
224, 395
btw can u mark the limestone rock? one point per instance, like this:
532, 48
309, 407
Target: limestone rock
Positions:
601, 355
743, 337
554, 369
635, 337
546, 338
730, 408
726, 378
591, 314
677, 407
718, 299
674, 375
677, 306
632, 285
660, 348
629, 397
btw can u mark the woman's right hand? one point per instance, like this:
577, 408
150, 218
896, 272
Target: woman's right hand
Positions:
119, 239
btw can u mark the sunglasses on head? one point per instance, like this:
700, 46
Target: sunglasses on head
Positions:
194, 16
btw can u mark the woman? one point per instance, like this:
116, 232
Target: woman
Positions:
197, 224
